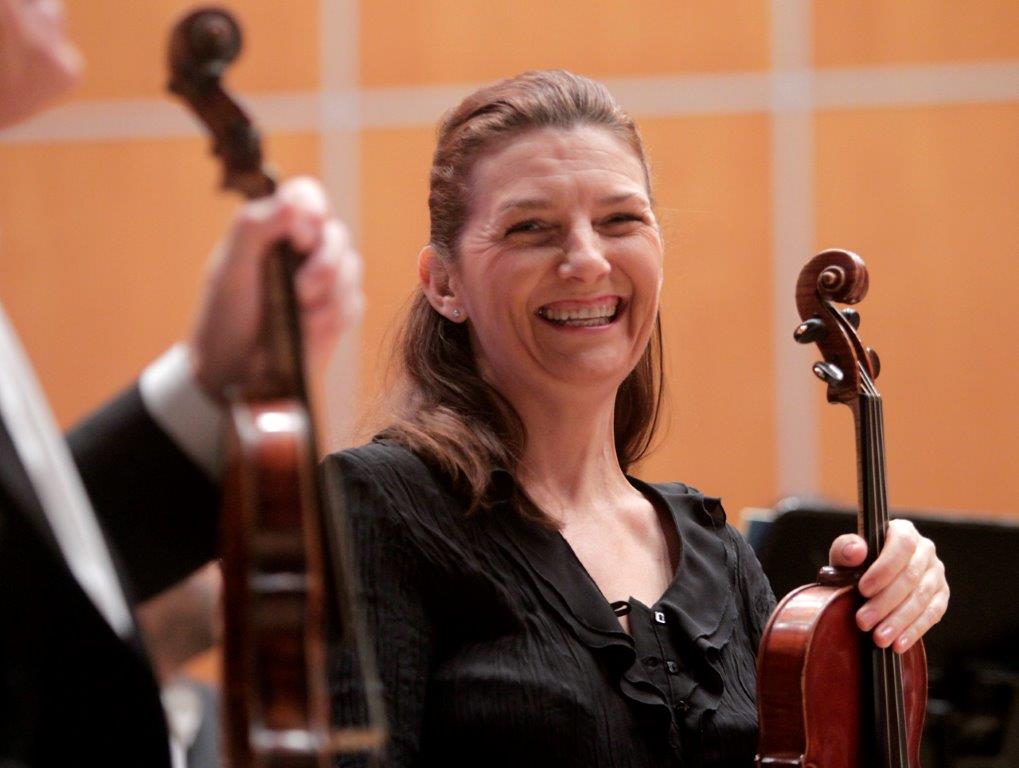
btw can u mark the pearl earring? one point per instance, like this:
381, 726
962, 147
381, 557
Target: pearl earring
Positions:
456, 313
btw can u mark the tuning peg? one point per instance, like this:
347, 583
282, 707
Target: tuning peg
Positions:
810, 331
875, 361
828, 373
852, 316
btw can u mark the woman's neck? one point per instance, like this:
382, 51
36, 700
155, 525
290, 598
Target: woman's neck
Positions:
570, 462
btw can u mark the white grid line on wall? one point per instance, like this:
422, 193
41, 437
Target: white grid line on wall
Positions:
338, 108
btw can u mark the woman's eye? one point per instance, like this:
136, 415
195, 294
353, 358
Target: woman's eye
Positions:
622, 220
618, 218
531, 225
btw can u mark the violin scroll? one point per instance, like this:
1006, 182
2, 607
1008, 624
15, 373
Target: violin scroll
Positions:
202, 45
836, 277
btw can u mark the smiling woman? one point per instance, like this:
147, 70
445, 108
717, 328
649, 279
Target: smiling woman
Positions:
531, 603
513, 235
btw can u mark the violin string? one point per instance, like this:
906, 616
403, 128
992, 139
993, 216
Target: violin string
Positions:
878, 693
874, 537
889, 672
879, 672
896, 659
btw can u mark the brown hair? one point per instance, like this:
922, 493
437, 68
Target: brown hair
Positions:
449, 415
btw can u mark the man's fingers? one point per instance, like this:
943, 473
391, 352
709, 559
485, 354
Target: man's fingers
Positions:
334, 269
305, 209
297, 213
329, 289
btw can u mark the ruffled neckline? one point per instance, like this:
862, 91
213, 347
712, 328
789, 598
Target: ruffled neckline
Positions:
699, 604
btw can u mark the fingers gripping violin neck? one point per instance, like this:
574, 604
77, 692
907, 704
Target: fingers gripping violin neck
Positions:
827, 697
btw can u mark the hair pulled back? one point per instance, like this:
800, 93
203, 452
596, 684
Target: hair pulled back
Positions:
449, 415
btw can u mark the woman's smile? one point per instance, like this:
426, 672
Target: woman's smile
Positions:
599, 312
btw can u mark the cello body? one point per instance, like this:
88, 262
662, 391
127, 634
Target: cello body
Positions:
811, 708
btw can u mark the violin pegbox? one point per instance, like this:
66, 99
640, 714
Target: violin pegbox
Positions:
836, 277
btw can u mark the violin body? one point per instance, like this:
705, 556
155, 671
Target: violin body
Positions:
812, 710
269, 528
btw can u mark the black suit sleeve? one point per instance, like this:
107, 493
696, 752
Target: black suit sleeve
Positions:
157, 508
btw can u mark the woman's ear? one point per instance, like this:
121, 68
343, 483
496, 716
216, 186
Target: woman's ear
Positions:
437, 285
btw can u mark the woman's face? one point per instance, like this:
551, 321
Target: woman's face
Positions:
37, 60
560, 262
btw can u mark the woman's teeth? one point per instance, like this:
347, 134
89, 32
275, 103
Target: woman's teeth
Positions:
601, 314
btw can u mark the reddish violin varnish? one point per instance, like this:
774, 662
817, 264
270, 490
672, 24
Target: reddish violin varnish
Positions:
277, 546
827, 697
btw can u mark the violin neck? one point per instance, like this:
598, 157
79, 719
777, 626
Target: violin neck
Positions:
281, 339
889, 746
872, 517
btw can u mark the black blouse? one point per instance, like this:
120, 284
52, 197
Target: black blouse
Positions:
496, 648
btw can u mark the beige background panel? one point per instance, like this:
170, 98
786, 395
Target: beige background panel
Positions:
453, 41
102, 248
124, 42
927, 197
711, 183
875, 32
394, 227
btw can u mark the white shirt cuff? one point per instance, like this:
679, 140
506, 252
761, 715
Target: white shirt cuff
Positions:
179, 405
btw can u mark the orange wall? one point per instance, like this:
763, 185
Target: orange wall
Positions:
928, 195
102, 242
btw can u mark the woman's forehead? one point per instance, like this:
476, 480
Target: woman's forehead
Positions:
548, 160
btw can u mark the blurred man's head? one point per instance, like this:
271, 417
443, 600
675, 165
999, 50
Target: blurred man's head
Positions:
37, 61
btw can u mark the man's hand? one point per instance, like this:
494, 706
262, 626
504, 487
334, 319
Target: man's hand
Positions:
905, 586
222, 348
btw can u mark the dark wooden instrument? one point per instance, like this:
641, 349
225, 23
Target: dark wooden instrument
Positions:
827, 697
277, 546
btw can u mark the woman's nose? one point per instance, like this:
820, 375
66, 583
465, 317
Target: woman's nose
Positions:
584, 257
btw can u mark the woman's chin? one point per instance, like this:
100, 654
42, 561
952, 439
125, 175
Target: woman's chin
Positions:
594, 372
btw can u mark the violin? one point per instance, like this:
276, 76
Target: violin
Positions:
827, 697
283, 574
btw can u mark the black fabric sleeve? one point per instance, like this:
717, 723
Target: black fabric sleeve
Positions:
391, 585
157, 508
755, 589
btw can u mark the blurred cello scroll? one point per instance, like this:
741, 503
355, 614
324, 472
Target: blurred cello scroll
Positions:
827, 697
284, 574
